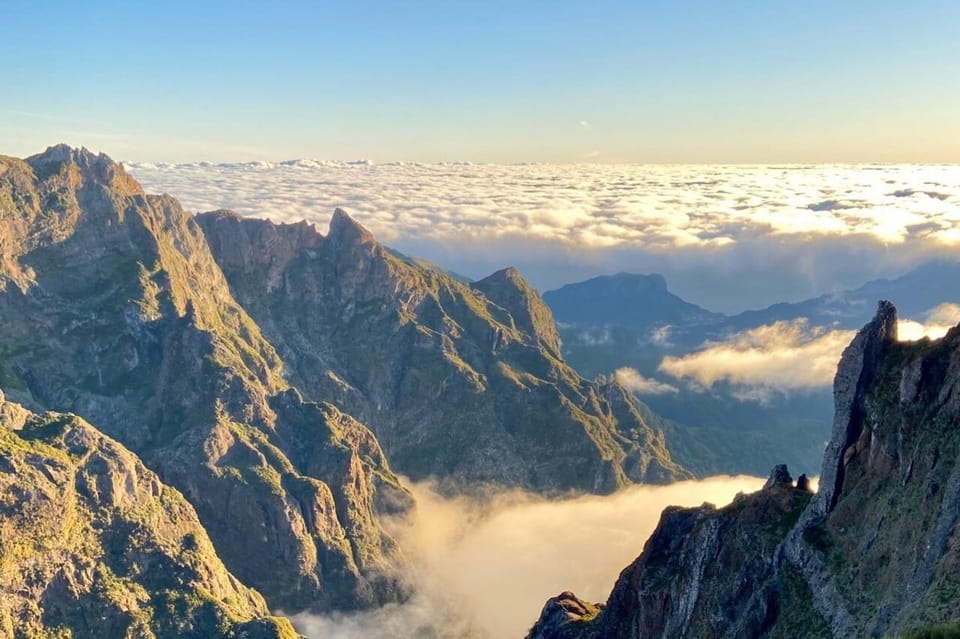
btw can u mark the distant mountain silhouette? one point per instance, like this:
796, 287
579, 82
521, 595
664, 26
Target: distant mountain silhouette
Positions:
625, 299
914, 293
644, 302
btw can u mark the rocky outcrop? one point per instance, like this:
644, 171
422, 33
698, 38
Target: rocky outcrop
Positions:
92, 544
879, 544
565, 615
873, 554
704, 572
509, 290
464, 383
857, 369
112, 307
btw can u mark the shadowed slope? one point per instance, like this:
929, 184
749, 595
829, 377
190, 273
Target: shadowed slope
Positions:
112, 307
460, 382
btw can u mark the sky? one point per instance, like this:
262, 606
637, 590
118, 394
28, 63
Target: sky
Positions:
498, 82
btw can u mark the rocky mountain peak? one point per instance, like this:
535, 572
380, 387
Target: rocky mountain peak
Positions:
857, 369
66, 153
122, 316
458, 381
255, 245
344, 230
509, 274
779, 476
884, 323
508, 289
93, 169
873, 554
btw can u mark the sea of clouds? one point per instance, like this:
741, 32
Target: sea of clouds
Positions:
726, 237
484, 568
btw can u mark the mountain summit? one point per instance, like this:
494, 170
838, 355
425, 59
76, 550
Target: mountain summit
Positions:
625, 299
464, 383
113, 308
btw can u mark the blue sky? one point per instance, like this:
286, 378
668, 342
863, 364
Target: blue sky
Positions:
705, 81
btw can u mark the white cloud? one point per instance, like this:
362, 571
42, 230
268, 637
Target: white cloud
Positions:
780, 233
487, 567
787, 355
937, 322
783, 355
636, 383
661, 336
594, 337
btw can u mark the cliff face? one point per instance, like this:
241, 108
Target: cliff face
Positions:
112, 307
873, 554
460, 382
704, 572
92, 544
882, 544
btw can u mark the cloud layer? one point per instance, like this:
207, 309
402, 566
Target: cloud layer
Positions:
487, 567
783, 355
788, 355
633, 381
936, 323
774, 232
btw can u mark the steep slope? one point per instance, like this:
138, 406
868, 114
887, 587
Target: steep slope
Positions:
111, 307
460, 382
873, 554
92, 544
704, 573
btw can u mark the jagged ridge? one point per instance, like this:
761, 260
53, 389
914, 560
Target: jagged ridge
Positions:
113, 308
873, 554
460, 382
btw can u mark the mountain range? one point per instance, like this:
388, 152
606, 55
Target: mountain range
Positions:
201, 400
206, 418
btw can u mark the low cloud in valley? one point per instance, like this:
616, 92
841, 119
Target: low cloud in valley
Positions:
636, 383
486, 567
935, 324
783, 355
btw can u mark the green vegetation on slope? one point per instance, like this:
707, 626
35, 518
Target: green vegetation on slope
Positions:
92, 544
